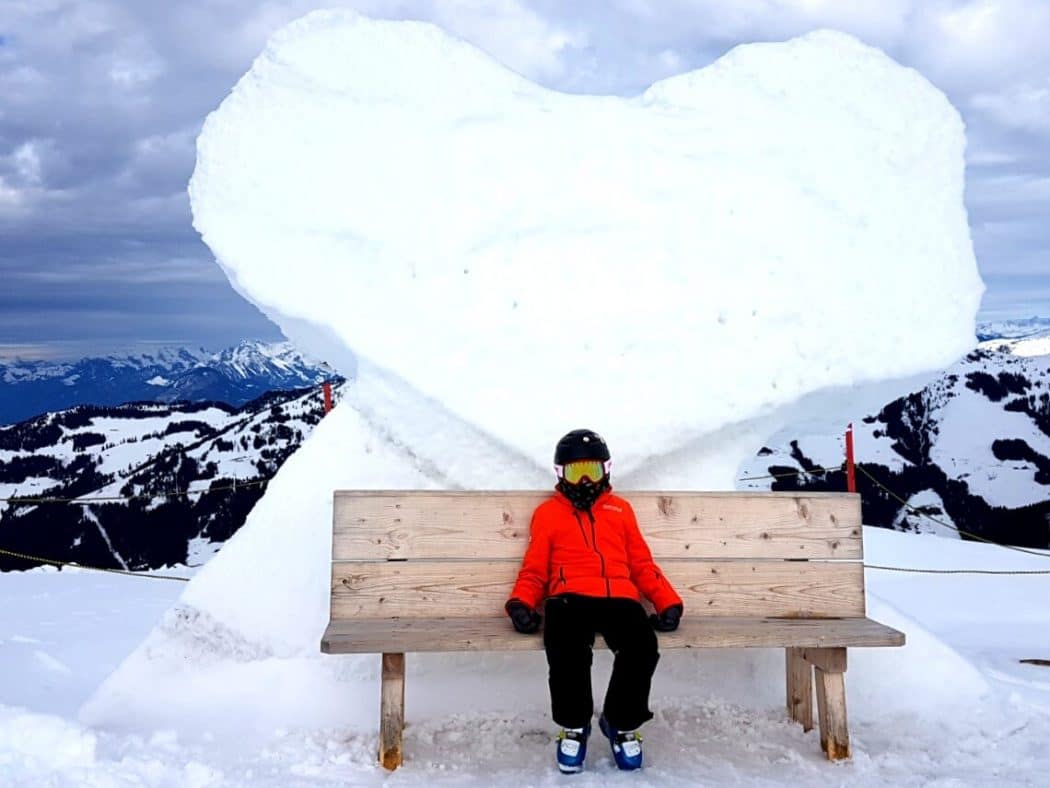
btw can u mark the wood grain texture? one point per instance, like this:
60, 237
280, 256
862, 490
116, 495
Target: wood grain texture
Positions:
831, 712
409, 524
494, 633
391, 710
799, 688
830, 660
799, 589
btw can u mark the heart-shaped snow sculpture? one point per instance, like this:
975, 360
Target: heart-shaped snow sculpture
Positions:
657, 268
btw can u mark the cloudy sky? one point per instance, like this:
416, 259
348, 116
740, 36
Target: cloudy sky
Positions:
101, 102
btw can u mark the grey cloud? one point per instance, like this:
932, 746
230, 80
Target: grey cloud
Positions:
102, 101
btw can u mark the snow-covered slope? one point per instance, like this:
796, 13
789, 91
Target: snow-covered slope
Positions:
148, 469
233, 376
1013, 329
972, 448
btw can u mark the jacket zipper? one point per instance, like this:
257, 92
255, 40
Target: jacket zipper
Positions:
561, 574
594, 543
579, 522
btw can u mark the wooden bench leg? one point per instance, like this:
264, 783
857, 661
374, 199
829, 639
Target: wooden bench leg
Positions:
799, 689
392, 710
830, 668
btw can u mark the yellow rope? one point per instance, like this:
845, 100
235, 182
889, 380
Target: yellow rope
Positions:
791, 473
912, 509
961, 571
40, 560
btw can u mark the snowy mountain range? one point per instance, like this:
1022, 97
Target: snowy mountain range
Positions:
143, 485
971, 449
233, 376
1013, 329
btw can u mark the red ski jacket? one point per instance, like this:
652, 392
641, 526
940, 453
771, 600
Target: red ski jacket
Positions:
595, 553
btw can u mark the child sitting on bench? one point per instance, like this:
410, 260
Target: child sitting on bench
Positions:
587, 560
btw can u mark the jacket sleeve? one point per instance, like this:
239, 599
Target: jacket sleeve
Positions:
531, 586
645, 574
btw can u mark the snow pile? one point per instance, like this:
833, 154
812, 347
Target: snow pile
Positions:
389, 194
43, 742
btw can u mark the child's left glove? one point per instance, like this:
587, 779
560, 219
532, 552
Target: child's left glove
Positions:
667, 620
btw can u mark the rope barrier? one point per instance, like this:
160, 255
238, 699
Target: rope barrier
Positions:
913, 510
40, 560
115, 498
789, 474
960, 571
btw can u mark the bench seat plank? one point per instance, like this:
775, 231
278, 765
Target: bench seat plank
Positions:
367, 636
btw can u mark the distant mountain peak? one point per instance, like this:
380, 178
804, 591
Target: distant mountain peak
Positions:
1013, 329
233, 375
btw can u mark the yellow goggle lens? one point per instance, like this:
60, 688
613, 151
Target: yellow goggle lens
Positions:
591, 469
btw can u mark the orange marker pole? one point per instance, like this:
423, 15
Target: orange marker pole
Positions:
851, 476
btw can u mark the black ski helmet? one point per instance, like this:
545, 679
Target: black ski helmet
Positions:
581, 445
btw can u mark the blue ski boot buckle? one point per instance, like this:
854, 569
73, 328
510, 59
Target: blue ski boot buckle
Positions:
572, 749
626, 746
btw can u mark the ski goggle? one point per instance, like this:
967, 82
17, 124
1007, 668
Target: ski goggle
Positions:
578, 470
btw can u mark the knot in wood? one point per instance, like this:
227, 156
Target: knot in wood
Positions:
666, 505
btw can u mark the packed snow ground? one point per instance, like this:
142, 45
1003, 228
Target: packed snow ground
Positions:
954, 707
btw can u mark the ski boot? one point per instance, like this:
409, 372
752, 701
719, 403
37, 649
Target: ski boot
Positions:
572, 749
626, 745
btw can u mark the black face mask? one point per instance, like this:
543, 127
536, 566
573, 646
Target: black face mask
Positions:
584, 494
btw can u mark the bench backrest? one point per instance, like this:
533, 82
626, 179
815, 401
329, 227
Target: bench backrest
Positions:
411, 553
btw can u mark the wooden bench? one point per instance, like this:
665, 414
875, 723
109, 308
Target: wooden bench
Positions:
417, 571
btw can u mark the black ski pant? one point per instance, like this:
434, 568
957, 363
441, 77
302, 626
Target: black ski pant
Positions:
571, 622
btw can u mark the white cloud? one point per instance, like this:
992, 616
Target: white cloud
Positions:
11, 199
1023, 106
973, 22
133, 73
169, 270
989, 158
510, 32
26, 159
1015, 188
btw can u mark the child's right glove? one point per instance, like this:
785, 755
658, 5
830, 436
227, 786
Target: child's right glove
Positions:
524, 618
667, 620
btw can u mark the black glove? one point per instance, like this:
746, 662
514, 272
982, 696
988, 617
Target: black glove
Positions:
668, 619
524, 618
